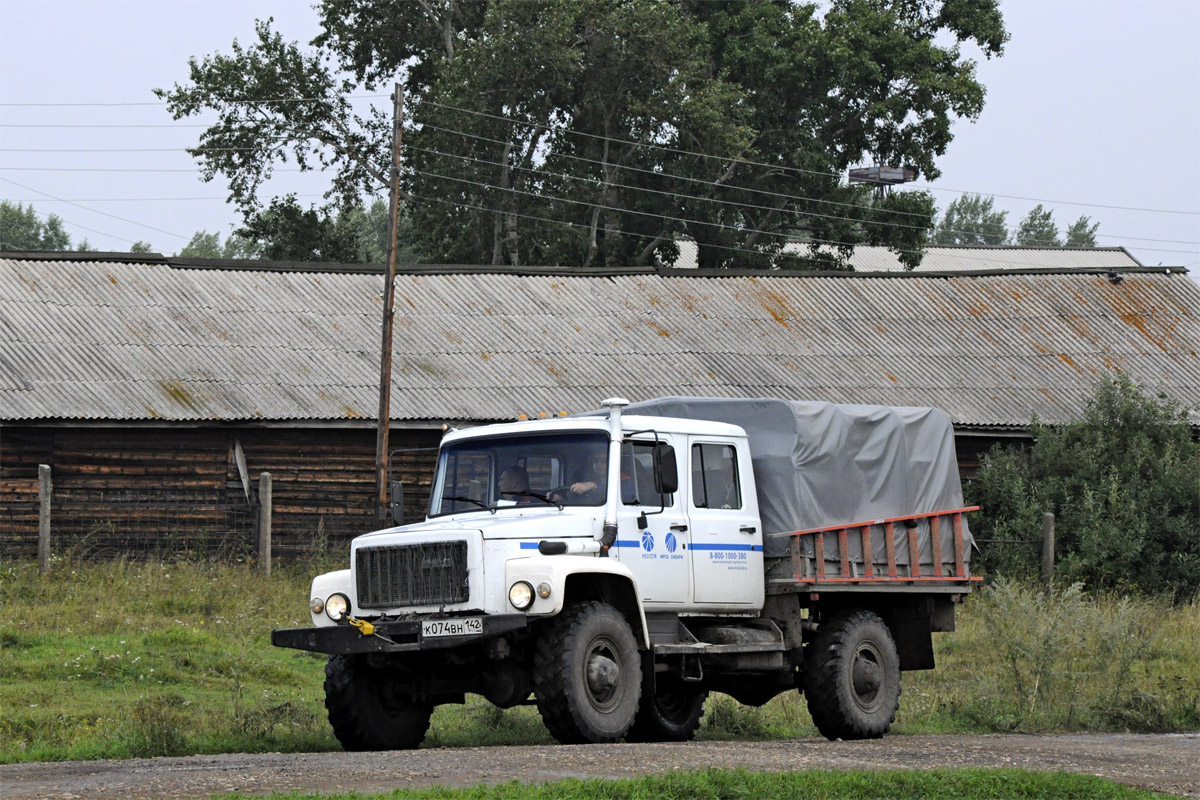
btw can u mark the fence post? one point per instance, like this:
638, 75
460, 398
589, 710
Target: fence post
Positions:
45, 487
1047, 550
264, 523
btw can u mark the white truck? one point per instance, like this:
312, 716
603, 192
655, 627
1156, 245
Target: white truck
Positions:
615, 568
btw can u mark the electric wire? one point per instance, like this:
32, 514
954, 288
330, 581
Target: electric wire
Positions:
796, 212
94, 211
510, 120
630, 187
84, 227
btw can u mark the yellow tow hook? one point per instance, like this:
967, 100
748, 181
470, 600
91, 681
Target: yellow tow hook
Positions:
364, 627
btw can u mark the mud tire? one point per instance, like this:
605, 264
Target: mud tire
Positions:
852, 677
587, 674
365, 710
671, 713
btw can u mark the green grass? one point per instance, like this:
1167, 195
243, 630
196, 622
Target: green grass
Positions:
137, 659
938, 784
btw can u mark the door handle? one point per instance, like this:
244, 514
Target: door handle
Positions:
679, 528
749, 529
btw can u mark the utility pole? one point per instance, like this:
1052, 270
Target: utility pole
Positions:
389, 290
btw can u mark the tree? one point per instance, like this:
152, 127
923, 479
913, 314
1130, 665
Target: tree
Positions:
22, 229
972, 220
1080, 234
559, 132
1124, 484
1038, 229
208, 245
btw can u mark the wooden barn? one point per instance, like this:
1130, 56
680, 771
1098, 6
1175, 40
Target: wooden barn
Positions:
159, 389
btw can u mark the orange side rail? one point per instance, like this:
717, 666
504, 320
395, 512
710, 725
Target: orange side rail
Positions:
869, 575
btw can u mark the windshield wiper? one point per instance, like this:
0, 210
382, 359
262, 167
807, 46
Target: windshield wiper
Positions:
468, 500
541, 497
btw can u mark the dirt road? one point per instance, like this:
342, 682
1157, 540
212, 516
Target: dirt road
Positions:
1167, 763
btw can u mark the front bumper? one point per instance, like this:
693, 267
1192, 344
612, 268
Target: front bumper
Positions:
399, 636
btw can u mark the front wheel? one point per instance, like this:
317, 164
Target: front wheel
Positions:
366, 711
669, 713
587, 674
852, 677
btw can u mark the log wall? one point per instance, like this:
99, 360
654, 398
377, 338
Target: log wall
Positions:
168, 491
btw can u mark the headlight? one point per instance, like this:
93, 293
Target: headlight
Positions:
520, 594
543, 590
336, 606
317, 605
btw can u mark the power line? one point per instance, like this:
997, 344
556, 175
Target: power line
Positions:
1065, 202
160, 103
617, 231
777, 235
84, 227
795, 212
102, 125
823, 173
566, 175
94, 211
613, 140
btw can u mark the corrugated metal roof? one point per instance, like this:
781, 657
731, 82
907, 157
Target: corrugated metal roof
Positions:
106, 340
956, 258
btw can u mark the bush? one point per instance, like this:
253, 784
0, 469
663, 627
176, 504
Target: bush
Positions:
1124, 485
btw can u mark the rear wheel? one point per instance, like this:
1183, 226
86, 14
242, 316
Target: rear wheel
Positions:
587, 674
669, 713
366, 711
852, 677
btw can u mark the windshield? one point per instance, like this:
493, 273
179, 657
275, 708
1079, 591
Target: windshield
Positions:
558, 469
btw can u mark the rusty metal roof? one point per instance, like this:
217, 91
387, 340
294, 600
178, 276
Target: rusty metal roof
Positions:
155, 339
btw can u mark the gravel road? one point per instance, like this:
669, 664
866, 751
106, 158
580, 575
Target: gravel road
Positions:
1167, 763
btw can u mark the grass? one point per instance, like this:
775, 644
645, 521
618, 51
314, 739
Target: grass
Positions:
938, 784
125, 659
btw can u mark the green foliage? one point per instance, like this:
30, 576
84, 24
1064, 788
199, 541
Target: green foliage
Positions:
209, 245
1037, 229
1124, 485
1081, 234
972, 220
22, 229
1030, 660
740, 784
559, 132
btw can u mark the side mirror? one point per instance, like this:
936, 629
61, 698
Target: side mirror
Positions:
398, 502
666, 474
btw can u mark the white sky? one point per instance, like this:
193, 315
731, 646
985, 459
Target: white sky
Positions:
1094, 109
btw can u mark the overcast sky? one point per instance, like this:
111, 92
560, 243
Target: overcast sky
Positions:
1094, 109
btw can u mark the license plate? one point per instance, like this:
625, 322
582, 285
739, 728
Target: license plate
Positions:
459, 626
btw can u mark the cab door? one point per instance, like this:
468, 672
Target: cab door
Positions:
656, 554
726, 546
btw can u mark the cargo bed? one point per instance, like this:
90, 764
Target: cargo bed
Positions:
924, 553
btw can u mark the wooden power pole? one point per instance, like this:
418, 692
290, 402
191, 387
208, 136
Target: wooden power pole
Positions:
389, 290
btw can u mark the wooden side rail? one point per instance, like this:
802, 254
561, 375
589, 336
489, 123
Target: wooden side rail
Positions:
851, 571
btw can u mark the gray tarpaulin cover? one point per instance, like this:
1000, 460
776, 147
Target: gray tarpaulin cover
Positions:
819, 464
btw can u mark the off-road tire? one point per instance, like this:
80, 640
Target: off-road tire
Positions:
670, 713
365, 711
574, 708
852, 677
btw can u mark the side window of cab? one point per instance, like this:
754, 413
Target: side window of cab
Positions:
715, 481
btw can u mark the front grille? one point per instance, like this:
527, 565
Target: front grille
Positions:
431, 573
